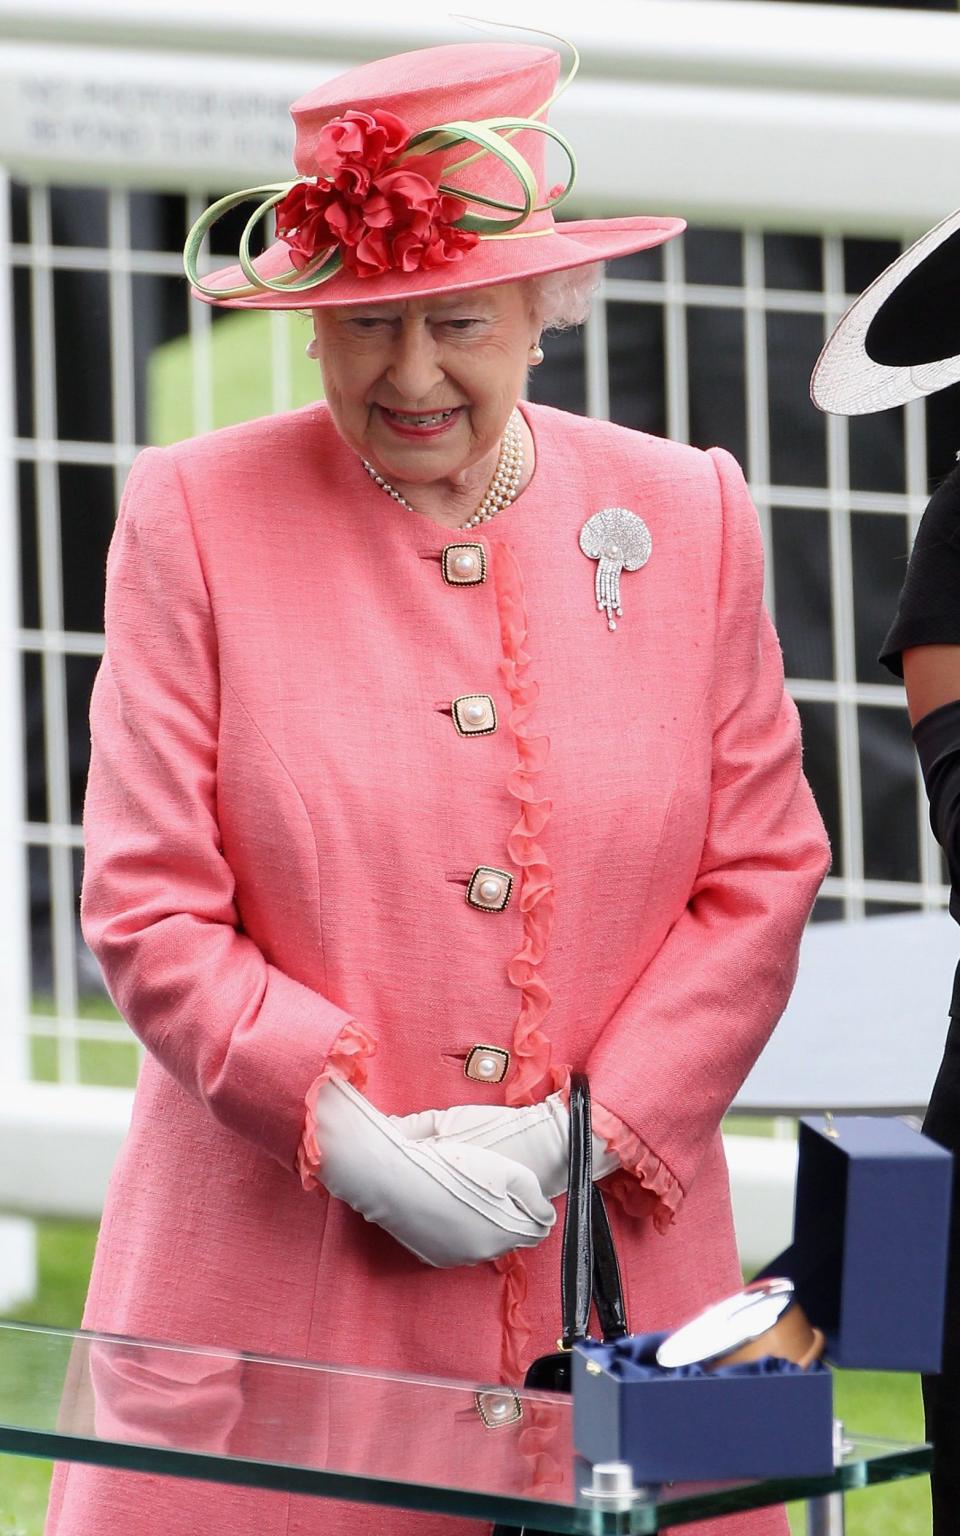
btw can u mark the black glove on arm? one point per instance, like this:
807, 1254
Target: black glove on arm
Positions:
937, 740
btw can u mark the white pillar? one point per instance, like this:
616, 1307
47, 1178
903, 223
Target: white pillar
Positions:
17, 1235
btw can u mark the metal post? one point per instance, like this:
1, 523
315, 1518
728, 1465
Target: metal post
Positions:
825, 1516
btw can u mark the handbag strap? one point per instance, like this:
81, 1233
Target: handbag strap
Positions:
589, 1264
576, 1268
607, 1284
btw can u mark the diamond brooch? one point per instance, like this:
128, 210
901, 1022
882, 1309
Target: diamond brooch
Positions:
619, 541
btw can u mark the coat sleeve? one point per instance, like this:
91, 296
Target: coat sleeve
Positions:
669, 1062
158, 907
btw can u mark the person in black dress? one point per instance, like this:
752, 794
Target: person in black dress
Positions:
923, 646
898, 341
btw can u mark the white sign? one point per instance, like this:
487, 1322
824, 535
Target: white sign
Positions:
93, 115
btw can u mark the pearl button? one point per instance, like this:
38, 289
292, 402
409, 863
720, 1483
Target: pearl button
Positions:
474, 714
488, 888
499, 1408
486, 1064
464, 564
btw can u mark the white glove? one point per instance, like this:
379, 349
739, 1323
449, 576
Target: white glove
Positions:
536, 1135
448, 1204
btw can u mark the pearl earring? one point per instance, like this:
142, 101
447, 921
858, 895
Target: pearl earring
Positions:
535, 354
311, 349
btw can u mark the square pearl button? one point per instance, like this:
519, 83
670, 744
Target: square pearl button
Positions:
497, 1408
489, 889
486, 1064
474, 714
464, 565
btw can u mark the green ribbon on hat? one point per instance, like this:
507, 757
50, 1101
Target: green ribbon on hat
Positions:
491, 136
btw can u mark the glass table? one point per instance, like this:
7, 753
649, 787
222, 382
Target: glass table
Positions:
458, 1448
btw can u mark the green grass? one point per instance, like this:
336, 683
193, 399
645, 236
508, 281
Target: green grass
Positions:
97, 1008
757, 1125
104, 1063
242, 348
100, 1063
65, 1253
886, 1404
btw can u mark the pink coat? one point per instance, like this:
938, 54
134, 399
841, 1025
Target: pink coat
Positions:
281, 823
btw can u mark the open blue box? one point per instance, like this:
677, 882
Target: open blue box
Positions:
869, 1263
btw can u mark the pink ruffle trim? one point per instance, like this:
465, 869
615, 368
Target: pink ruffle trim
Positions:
644, 1185
531, 1047
541, 1421
516, 1330
537, 1443
347, 1059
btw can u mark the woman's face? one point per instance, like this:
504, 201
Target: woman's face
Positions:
423, 387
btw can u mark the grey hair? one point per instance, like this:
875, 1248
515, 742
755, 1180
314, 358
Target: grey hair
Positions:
562, 299
559, 300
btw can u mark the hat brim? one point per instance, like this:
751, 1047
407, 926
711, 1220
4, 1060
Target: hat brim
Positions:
849, 377
572, 243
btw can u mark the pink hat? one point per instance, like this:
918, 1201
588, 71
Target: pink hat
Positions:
418, 174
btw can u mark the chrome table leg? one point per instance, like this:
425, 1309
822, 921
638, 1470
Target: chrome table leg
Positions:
825, 1515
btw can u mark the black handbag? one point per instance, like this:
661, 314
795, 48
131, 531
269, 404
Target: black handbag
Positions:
588, 1266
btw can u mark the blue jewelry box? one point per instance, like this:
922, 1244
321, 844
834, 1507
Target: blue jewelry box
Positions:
868, 1262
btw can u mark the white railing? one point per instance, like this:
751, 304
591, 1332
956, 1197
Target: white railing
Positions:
17, 1238
750, 117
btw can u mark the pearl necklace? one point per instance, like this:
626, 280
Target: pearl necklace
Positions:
502, 489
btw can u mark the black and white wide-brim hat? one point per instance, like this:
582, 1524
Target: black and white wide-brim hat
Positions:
901, 338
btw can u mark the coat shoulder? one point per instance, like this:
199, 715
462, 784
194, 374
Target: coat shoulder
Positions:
659, 458
252, 442
255, 469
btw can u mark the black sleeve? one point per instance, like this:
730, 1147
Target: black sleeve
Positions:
929, 609
937, 740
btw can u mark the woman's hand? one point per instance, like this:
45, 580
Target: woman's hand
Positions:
449, 1203
536, 1135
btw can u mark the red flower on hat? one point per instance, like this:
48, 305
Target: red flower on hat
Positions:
367, 139
380, 215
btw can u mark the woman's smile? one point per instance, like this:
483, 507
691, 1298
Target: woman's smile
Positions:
420, 425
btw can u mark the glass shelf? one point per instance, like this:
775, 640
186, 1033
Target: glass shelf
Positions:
337, 1432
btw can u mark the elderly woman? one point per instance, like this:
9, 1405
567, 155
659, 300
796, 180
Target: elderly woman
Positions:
440, 747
